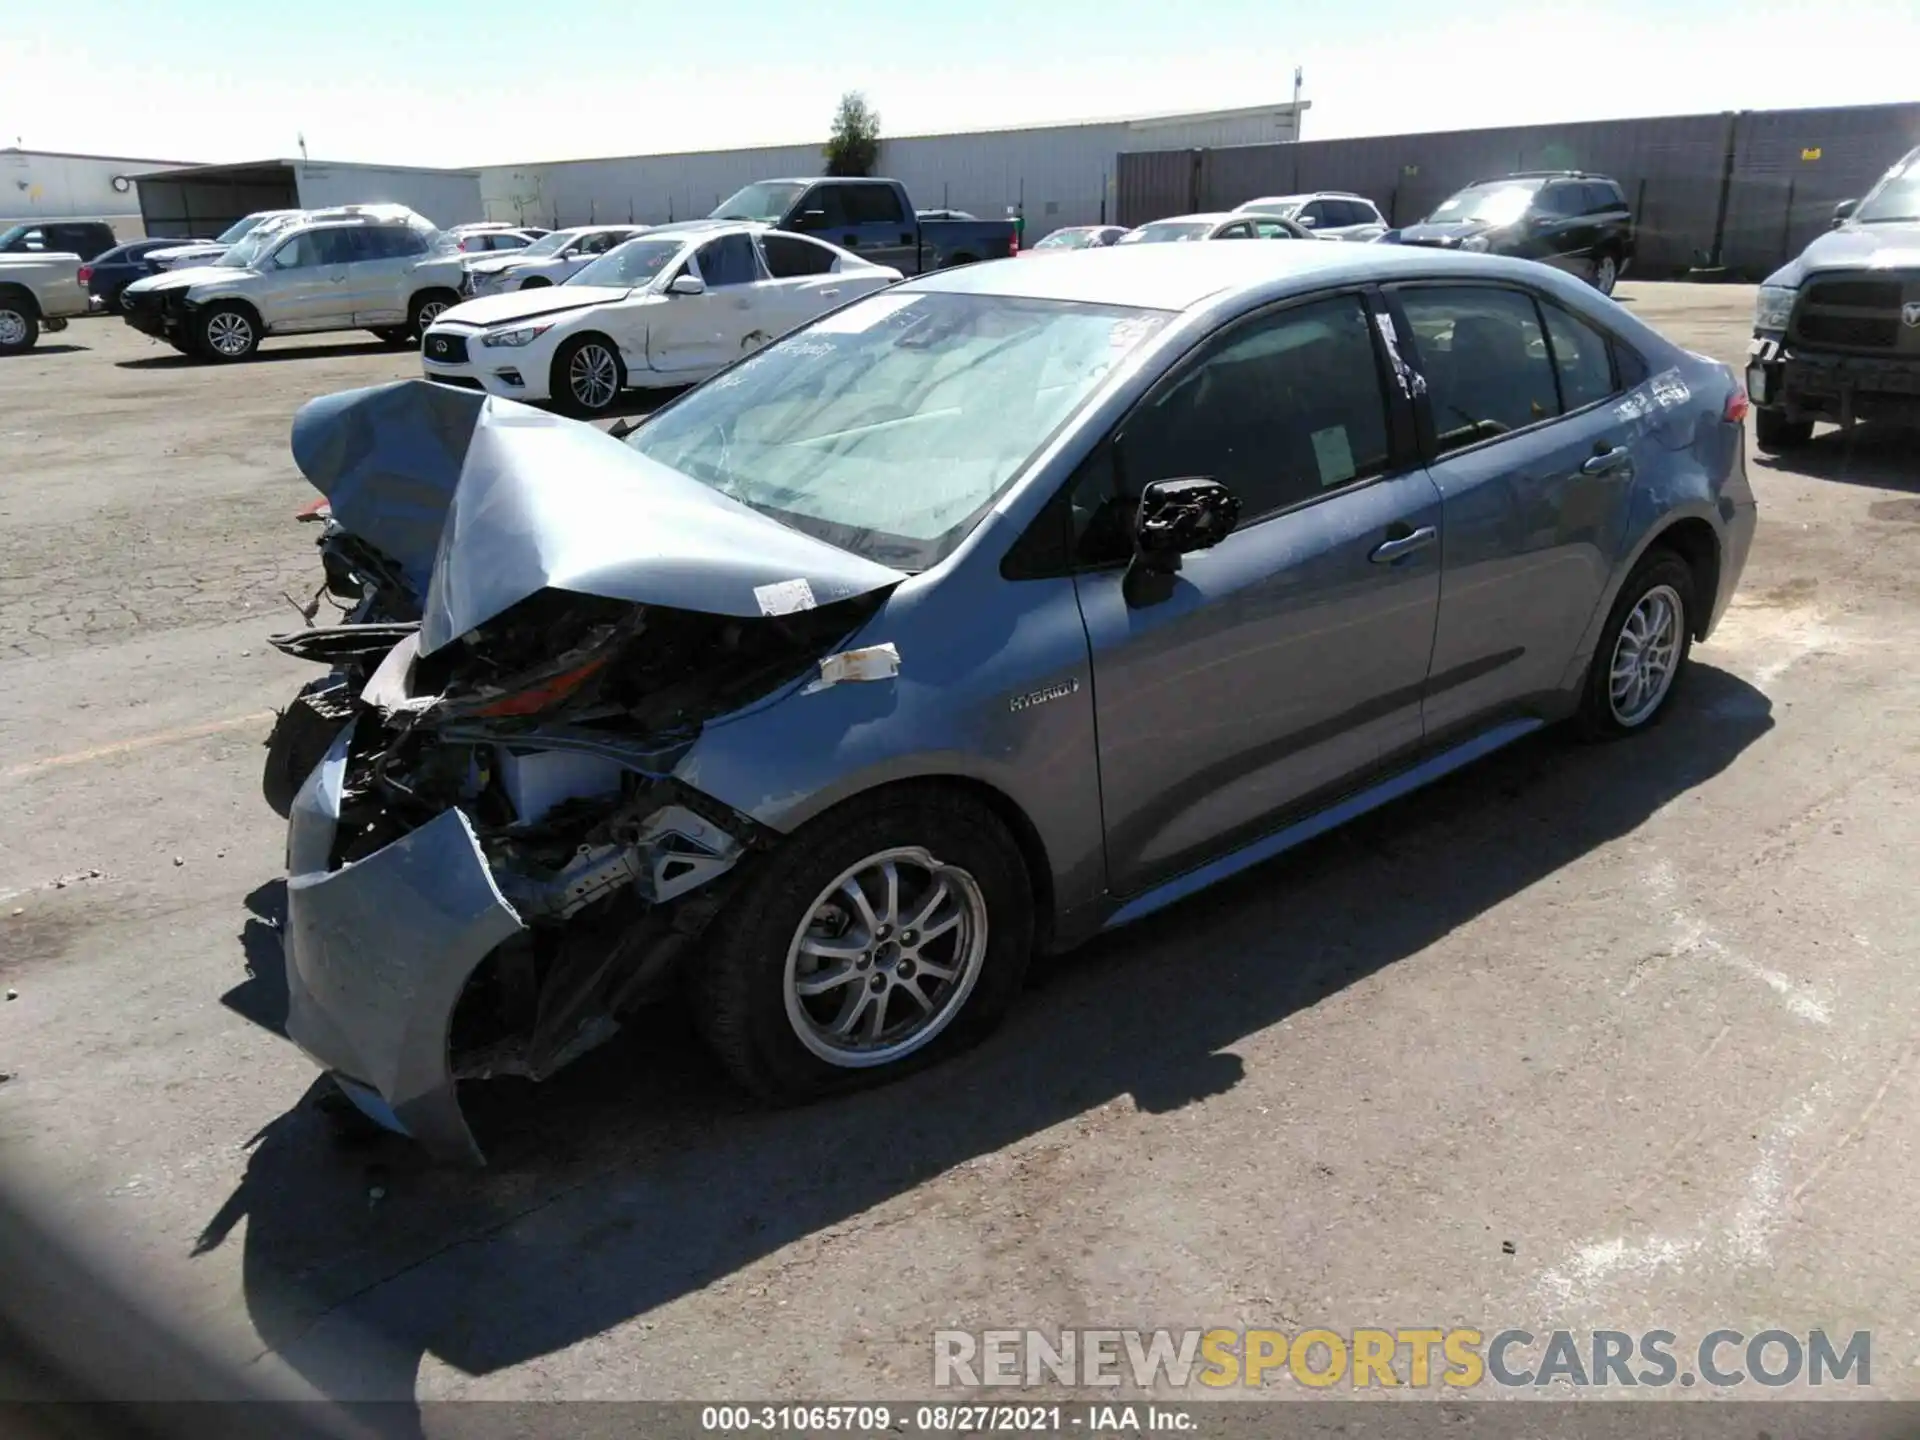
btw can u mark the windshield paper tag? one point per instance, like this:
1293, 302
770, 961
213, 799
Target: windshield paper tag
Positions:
862, 315
789, 597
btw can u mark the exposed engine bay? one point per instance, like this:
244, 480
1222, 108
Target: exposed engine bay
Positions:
491, 856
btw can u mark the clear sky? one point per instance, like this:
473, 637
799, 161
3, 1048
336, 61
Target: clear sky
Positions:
465, 82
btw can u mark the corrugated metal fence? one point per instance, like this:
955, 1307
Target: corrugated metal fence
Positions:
1778, 174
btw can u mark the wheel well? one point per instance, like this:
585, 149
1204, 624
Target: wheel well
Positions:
1033, 851
600, 335
1693, 541
23, 297
234, 302
536, 282
433, 292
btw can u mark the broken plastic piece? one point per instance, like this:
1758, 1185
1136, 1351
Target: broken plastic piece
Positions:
875, 662
789, 597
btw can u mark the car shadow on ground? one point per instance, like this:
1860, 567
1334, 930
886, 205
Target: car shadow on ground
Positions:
262, 996
1879, 456
57, 350
173, 360
652, 1179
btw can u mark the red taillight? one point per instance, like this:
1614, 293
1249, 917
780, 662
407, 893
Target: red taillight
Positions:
1737, 405
86, 273
546, 693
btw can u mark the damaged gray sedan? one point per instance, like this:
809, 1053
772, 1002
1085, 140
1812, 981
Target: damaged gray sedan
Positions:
1009, 605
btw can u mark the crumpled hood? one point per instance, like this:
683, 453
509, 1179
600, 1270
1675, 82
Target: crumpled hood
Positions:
183, 279
493, 310
1854, 247
503, 500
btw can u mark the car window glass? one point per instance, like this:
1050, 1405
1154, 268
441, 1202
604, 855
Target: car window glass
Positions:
1272, 230
1286, 408
1629, 365
873, 205
789, 256
297, 253
1342, 213
338, 247
378, 242
1485, 361
1603, 197
728, 260
825, 199
1580, 356
1239, 230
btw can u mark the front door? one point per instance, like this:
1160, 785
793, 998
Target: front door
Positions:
307, 285
1534, 457
1280, 665
869, 220
692, 334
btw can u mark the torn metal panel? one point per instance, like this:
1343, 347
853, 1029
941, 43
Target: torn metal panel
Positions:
332, 644
379, 951
547, 503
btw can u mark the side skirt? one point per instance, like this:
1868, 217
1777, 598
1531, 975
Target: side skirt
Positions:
1334, 816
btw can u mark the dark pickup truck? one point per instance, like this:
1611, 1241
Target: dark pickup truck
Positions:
1836, 330
872, 217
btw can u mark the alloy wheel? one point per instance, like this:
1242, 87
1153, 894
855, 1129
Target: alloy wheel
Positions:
431, 311
229, 333
594, 376
885, 958
13, 327
1645, 656
1605, 272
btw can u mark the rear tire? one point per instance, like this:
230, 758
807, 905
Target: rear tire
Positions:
19, 328
1643, 651
957, 869
1606, 272
1774, 431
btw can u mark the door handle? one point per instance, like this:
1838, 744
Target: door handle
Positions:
828, 294
1607, 461
1388, 551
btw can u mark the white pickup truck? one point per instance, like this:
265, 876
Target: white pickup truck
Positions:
37, 292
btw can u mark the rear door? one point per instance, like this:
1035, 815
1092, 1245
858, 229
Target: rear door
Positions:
1561, 227
382, 274
1288, 660
801, 283
1535, 467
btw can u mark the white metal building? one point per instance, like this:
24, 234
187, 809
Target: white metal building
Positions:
54, 185
1055, 174
202, 200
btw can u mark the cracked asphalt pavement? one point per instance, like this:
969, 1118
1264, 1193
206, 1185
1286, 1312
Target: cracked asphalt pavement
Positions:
1588, 1037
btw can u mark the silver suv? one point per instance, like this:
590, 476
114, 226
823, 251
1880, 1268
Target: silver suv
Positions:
327, 271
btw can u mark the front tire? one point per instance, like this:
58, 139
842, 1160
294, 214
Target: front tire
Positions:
884, 936
1774, 431
227, 333
299, 741
587, 376
1643, 651
1606, 273
19, 328
427, 307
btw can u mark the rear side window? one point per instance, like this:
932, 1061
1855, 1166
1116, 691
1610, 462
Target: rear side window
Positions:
1239, 230
728, 260
115, 255
1602, 197
1580, 359
788, 257
872, 205
1287, 407
1485, 360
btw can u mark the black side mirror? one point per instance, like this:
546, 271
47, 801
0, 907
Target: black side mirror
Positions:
1176, 517
1843, 212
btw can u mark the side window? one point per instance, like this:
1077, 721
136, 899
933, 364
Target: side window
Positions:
873, 205
788, 256
1286, 407
1485, 361
32, 240
1580, 357
1339, 214
298, 253
1365, 212
1272, 230
339, 247
1314, 213
1603, 197
728, 260
598, 243
1239, 230
825, 199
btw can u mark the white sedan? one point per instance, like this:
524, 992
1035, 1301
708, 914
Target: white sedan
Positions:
659, 311
547, 261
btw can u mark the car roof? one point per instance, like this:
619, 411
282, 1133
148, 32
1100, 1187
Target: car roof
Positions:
1202, 217
1182, 277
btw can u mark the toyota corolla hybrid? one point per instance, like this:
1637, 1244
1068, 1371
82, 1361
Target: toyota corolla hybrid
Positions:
989, 612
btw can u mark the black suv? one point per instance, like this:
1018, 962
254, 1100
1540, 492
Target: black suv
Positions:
85, 238
1836, 330
1578, 222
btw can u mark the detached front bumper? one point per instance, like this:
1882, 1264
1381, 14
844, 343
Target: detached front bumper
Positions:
1812, 385
378, 953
